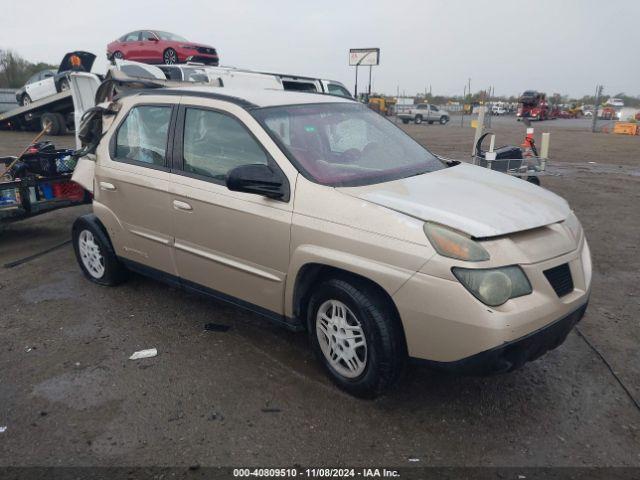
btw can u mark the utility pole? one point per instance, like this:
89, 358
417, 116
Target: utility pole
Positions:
464, 99
594, 121
370, 68
355, 90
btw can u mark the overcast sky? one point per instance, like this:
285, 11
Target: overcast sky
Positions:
565, 46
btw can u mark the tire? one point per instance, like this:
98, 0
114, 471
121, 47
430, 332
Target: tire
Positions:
95, 254
118, 54
169, 57
418, 119
25, 100
56, 121
373, 366
444, 120
534, 180
405, 121
63, 86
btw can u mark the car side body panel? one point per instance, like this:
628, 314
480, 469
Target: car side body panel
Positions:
333, 229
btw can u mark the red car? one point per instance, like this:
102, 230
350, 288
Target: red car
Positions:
154, 46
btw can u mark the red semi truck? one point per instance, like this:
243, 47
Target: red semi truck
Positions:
534, 106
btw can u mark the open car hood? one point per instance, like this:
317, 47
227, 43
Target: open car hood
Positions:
86, 59
471, 199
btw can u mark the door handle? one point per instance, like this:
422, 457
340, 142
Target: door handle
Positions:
178, 205
107, 186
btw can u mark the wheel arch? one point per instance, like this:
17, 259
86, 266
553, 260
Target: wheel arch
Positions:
311, 274
100, 230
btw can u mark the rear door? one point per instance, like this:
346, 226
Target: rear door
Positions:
232, 243
131, 184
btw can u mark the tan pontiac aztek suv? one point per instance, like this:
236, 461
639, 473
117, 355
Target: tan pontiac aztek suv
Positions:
322, 215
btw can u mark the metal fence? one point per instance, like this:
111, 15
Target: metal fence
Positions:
7, 99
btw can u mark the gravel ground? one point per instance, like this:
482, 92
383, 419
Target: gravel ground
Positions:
253, 395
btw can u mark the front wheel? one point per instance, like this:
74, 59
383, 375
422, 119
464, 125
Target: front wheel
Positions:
25, 100
444, 120
357, 336
170, 56
95, 255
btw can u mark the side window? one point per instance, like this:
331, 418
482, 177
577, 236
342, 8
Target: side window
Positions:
422, 107
338, 90
132, 37
434, 108
215, 143
146, 35
142, 137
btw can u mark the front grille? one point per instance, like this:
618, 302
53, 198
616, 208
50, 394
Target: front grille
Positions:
207, 51
560, 279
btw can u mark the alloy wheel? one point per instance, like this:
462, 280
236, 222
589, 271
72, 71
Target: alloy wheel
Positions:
170, 57
341, 338
92, 259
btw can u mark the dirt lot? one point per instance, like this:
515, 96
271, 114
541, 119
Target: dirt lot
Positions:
254, 395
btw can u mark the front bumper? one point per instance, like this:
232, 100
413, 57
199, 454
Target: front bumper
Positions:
444, 323
202, 58
513, 355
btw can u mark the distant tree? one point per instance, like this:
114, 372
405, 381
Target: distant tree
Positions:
15, 70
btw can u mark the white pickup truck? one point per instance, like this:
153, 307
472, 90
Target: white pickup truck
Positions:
424, 112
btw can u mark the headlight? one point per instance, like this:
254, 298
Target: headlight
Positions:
449, 243
573, 224
494, 286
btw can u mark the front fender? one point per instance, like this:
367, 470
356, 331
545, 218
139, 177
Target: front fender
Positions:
390, 278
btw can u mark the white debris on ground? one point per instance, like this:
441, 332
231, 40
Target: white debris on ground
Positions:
151, 352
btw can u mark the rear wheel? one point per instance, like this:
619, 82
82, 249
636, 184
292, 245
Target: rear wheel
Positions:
418, 119
94, 254
357, 336
63, 85
170, 56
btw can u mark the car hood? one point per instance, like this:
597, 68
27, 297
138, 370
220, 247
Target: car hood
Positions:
86, 59
471, 199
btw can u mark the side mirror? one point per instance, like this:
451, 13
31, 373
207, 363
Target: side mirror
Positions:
257, 179
151, 39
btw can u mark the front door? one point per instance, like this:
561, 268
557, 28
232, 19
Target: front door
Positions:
131, 187
148, 46
234, 243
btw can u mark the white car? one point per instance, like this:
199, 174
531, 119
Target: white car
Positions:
49, 82
615, 102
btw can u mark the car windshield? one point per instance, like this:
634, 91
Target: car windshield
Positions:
170, 36
345, 144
